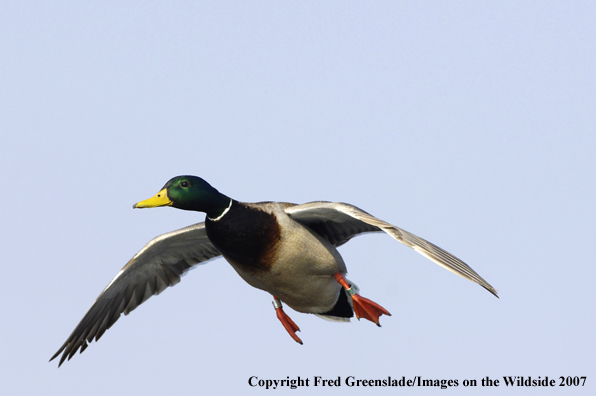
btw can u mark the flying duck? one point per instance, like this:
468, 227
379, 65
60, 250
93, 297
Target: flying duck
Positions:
287, 250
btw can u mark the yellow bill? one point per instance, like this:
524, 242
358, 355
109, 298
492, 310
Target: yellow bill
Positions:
161, 199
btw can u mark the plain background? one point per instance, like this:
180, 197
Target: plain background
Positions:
471, 124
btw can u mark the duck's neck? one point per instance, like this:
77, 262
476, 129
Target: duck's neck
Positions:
207, 200
220, 209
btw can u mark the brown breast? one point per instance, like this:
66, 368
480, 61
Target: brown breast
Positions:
247, 235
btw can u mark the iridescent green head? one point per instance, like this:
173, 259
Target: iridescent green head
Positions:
189, 193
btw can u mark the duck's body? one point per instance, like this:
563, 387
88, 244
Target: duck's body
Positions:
279, 255
285, 249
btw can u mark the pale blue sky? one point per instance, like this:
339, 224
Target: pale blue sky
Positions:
471, 124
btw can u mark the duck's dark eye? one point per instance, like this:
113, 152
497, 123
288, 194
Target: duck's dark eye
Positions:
184, 184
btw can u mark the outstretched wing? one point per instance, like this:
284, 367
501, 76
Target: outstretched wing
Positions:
158, 265
339, 222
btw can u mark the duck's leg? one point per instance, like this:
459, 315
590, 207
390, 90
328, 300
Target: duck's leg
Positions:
285, 320
363, 307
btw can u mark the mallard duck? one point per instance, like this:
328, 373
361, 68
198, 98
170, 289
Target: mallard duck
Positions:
285, 249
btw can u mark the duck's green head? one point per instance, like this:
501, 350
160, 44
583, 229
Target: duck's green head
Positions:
189, 193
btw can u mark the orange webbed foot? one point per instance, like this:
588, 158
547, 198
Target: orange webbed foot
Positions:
367, 309
285, 320
363, 307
